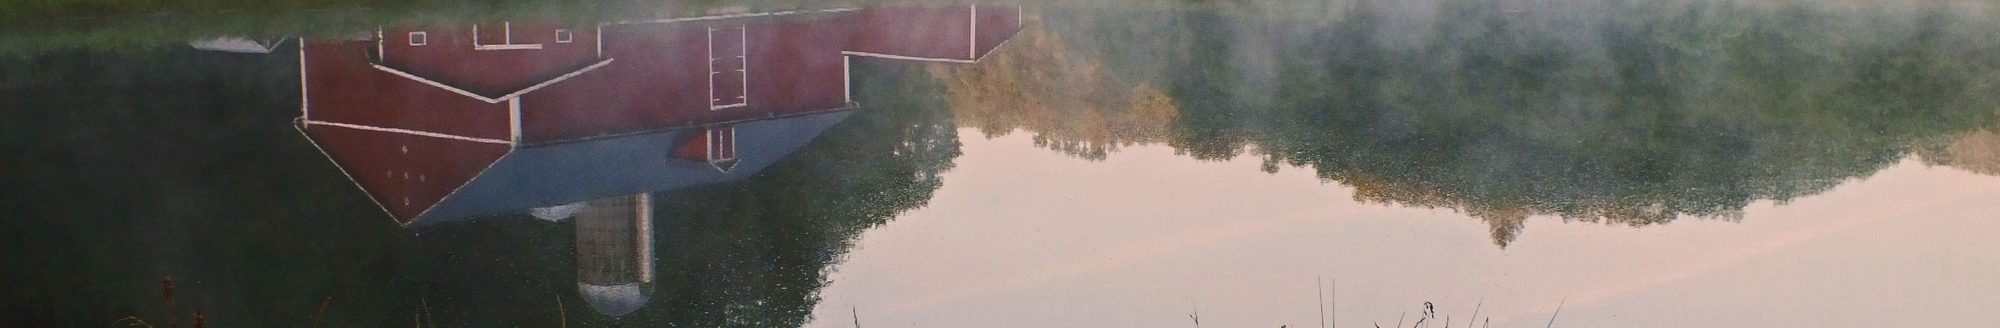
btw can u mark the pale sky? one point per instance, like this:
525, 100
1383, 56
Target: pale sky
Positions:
1026, 237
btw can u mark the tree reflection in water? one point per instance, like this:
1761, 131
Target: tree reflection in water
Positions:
1626, 113
1631, 113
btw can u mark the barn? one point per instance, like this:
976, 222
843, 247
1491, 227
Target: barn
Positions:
443, 123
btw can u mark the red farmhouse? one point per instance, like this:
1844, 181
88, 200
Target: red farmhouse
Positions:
443, 123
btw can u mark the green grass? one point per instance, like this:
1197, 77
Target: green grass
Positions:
43, 26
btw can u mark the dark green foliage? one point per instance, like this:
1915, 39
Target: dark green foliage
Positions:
123, 169
32, 27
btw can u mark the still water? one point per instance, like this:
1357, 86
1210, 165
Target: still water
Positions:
1577, 163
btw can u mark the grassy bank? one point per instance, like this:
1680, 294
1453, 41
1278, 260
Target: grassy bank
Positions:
32, 27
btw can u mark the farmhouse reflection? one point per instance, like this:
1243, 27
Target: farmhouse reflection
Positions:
592, 123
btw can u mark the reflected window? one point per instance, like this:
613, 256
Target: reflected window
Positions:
488, 39
728, 67
419, 38
563, 36
721, 144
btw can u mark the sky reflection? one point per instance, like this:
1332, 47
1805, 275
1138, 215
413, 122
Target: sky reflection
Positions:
1123, 244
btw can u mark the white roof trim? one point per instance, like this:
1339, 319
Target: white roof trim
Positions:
492, 100
409, 132
730, 16
539, 86
423, 80
889, 56
343, 170
416, 220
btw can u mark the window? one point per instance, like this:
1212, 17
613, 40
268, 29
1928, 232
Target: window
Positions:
419, 38
728, 68
503, 40
563, 36
721, 144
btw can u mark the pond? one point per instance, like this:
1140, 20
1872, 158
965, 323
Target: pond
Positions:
1439, 163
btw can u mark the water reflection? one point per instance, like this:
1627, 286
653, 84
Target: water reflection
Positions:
1628, 113
439, 123
447, 123
711, 171
722, 189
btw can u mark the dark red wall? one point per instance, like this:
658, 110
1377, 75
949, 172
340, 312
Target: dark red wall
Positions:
796, 66
930, 32
343, 87
659, 79
996, 25
656, 78
450, 58
405, 173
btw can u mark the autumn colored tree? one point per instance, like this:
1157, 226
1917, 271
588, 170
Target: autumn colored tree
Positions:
1623, 112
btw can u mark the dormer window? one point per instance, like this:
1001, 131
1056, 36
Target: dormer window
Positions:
563, 36
419, 38
713, 147
721, 144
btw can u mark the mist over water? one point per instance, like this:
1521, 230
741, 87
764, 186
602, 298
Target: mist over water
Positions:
1633, 112
1114, 163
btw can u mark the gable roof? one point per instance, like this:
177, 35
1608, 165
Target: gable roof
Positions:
562, 173
405, 174
493, 98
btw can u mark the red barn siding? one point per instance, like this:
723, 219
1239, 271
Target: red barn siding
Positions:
405, 173
996, 25
450, 58
795, 66
659, 79
343, 87
933, 32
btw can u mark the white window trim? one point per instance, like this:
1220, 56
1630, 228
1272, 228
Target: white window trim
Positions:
743, 56
564, 36
420, 38
711, 144
506, 40
508, 47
